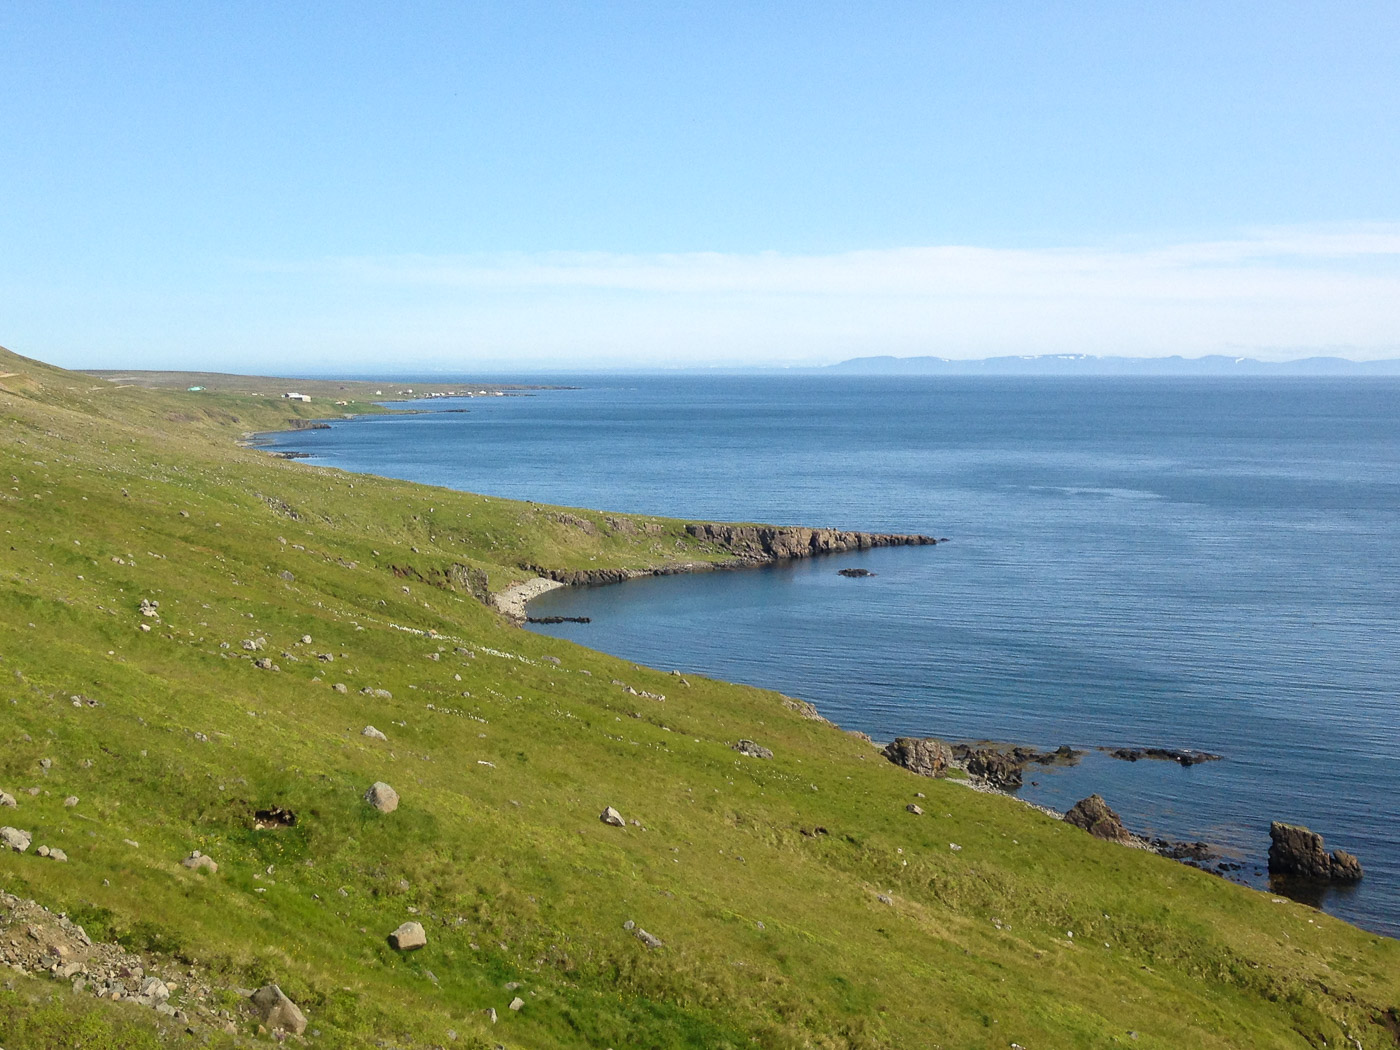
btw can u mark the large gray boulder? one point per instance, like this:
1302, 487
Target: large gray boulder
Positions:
1295, 850
922, 755
276, 1011
408, 937
382, 797
15, 839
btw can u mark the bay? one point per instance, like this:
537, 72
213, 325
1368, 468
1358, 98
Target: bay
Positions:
1202, 563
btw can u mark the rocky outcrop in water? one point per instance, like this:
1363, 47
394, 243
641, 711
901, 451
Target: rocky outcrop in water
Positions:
1295, 850
1181, 755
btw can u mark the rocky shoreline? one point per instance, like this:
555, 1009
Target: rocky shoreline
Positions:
747, 546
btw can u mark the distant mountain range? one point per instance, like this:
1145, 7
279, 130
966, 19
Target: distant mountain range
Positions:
1087, 364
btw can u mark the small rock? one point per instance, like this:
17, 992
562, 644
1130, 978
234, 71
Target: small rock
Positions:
154, 988
276, 1011
197, 861
408, 937
382, 797
372, 733
612, 817
914, 808
306, 639
748, 747
15, 839
339, 687
57, 854
7, 799
648, 939
71, 801
884, 898
517, 1003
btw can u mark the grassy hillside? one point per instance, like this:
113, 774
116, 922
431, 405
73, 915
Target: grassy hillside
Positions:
797, 902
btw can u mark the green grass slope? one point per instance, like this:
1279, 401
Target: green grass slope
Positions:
981, 923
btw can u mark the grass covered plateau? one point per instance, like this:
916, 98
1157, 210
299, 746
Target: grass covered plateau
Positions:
787, 902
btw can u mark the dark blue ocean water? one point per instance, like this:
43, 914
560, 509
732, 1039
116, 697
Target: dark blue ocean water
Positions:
1204, 563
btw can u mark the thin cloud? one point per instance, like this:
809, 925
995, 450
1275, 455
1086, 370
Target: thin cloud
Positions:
1279, 288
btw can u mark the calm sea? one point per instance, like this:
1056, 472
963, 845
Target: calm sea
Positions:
1202, 563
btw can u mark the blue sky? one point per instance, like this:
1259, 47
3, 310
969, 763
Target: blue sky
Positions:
467, 185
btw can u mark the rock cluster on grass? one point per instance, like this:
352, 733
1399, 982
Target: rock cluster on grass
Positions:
37, 941
382, 797
748, 747
1295, 850
922, 755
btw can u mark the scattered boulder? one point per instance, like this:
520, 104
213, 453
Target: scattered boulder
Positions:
925, 756
15, 839
197, 861
70, 801
276, 1011
372, 733
915, 809
52, 852
1094, 816
612, 817
517, 1003
7, 799
382, 797
408, 937
340, 687
748, 747
1295, 850
650, 940
148, 608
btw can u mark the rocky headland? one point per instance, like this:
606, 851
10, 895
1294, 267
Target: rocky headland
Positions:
744, 546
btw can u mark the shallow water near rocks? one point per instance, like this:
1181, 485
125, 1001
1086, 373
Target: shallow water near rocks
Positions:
1197, 563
